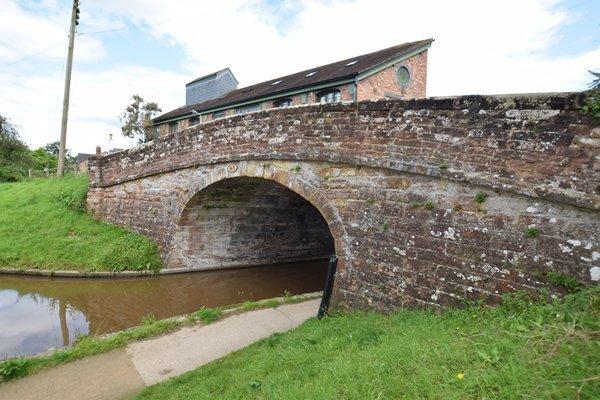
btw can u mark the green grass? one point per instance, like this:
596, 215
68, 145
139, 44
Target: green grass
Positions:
481, 197
43, 226
532, 232
86, 346
208, 315
526, 349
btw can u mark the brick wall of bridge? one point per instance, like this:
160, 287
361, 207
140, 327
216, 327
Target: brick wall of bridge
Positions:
397, 183
247, 221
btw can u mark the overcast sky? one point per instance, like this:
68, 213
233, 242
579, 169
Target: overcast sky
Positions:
153, 47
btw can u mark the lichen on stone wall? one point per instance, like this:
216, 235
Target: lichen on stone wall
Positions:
430, 201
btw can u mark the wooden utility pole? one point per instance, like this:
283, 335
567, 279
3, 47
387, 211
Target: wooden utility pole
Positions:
65, 113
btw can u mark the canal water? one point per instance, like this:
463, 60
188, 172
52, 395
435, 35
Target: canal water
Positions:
38, 313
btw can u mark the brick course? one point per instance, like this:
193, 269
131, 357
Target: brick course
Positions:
396, 182
377, 85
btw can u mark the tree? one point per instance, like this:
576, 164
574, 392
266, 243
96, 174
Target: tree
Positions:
42, 160
47, 157
15, 157
52, 148
137, 120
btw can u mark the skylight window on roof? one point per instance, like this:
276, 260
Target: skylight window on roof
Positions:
310, 74
275, 83
351, 63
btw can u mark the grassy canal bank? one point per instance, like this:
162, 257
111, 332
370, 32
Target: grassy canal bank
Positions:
43, 225
87, 346
525, 349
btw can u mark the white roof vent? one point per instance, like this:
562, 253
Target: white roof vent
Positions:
351, 63
275, 83
310, 74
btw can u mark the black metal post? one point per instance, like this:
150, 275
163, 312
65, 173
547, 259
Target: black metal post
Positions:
328, 287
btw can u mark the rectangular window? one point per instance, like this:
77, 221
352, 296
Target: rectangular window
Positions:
283, 103
247, 109
173, 127
329, 96
219, 114
194, 121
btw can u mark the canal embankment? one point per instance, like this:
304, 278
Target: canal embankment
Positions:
88, 346
44, 226
123, 372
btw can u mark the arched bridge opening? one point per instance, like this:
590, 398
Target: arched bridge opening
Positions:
245, 221
430, 201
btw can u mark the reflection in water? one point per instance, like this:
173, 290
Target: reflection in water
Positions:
38, 313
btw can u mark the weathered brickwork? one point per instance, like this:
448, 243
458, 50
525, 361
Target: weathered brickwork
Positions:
397, 184
246, 221
385, 83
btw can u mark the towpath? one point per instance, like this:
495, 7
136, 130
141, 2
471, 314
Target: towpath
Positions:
121, 373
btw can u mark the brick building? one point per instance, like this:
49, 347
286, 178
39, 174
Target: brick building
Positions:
398, 72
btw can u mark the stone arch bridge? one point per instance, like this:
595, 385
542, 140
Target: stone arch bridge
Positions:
426, 202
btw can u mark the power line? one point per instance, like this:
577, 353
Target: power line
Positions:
27, 57
266, 4
127, 28
108, 31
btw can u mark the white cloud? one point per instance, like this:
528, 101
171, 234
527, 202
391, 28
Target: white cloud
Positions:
480, 47
25, 32
97, 99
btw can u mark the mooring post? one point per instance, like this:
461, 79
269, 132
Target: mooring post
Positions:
328, 287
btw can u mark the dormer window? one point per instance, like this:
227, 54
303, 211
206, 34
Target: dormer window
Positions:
282, 102
329, 96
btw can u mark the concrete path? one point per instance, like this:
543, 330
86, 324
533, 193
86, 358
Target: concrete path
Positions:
121, 373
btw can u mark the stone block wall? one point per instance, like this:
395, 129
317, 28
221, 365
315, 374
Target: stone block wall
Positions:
248, 221
429, 201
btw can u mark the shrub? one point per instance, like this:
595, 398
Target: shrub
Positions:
591, 104
11, 173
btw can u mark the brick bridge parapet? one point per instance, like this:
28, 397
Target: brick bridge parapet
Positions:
398, 179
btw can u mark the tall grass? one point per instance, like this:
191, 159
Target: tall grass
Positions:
43, 225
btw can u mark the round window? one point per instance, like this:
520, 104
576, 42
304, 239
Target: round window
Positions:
403, 75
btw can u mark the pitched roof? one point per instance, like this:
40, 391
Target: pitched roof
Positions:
211, 75
324, 74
